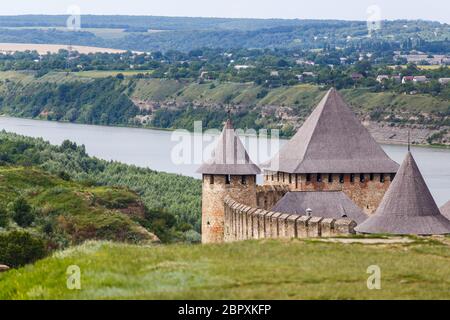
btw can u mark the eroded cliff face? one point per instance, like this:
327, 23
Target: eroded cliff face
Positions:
389, 130
387, 133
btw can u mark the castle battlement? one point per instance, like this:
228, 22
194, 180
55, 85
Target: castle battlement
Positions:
331, 176
243, 222
331, 152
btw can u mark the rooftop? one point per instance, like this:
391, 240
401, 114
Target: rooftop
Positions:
229, 157
445, 210
332, 140
407, 207
325, 204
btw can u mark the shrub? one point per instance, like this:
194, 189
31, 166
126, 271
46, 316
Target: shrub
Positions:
64, 175
262, 94
19, 248
192, 236
48, 228
3, 218
21, 212
437, 136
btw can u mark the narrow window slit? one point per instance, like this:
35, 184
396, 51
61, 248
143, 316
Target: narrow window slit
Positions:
319, 177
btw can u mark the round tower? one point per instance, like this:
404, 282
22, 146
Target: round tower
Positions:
229, 172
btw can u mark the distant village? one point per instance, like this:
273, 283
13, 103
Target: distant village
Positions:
416, 58
337, 67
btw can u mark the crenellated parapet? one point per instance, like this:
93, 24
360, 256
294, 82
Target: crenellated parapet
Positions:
244, 223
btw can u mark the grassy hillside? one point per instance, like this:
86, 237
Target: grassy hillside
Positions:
249, 270
101, 101
283, 108
67, 212
176, 104
51, 97
297, 97
173, 200
221, 92
394, 103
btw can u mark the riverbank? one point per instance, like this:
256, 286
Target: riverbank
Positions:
165, 104
382, 132
418, 135
154, 149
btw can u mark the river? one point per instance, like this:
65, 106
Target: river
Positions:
155, 148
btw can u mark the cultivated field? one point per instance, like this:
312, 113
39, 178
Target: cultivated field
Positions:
52, 48
109, 73
105, 33
421, 67
293, 269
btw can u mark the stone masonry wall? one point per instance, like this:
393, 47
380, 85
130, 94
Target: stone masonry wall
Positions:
215, 189
267, 196
366, 194
244, 222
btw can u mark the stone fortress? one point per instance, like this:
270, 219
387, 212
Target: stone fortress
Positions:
331, 179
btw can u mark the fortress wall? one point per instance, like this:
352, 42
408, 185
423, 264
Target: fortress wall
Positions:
267, 196
214, 189
366, 194
245, 223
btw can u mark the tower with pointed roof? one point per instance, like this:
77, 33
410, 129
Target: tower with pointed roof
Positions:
333, 151
229, 172
408, 207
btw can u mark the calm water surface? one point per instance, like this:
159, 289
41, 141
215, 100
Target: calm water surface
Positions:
154, 149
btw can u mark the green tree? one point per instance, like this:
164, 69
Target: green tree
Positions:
19, 248
21, 212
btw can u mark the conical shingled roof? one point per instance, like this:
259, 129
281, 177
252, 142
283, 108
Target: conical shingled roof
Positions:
445, 210
332, 140
407, 207
229, 156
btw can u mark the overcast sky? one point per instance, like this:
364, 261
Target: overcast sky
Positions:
303, 9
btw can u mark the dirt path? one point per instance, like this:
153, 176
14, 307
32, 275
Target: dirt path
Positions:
390, 240
396, 240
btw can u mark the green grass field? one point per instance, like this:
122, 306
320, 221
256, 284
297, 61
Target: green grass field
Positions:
16, 76
249, 270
